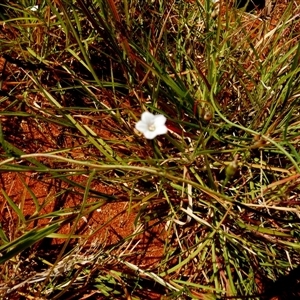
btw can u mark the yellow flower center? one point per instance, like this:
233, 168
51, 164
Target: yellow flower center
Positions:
151, 127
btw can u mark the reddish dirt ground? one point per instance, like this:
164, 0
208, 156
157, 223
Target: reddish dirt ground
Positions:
109, 224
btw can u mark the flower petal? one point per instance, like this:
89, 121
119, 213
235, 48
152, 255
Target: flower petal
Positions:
150, 134
141, 126
147, 117
159, 120
161, 130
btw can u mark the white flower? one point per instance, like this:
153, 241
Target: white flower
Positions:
151, 125
34, 8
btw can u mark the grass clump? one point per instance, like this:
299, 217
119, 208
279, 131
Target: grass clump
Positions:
89, 207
